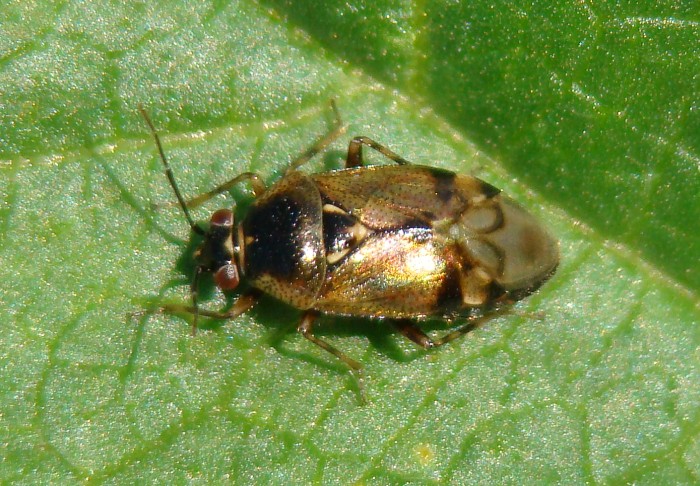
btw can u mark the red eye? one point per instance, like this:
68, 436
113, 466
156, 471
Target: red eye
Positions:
222, 217
226, 277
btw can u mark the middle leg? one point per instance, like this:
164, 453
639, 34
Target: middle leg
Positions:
305, 328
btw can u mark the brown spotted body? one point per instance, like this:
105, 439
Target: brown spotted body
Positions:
397, 242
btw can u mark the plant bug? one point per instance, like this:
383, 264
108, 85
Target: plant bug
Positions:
399, 243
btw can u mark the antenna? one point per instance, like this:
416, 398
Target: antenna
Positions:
169, 173
194, 289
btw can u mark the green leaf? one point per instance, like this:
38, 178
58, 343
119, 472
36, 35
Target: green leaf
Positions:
586, 114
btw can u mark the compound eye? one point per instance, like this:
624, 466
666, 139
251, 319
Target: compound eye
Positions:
226, 277
222, 217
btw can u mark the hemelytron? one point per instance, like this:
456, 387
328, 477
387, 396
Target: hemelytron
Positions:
398, 243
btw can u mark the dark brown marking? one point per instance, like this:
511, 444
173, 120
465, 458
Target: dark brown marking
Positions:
444, 184
428, 215
337, 231
501, 259
519, 294
415, 223
449, 295
498, 221
488, 190
495, 292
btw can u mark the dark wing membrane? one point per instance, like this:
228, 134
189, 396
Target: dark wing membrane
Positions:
394, 197
395, 274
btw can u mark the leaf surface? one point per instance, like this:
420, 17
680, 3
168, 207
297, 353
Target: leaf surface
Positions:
585, 114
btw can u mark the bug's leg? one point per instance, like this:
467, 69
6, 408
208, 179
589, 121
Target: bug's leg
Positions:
411, 330
243, 303
256, 183
354, 158
336, 130
461, 331
305, 327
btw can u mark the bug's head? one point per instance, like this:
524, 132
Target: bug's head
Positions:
216, 254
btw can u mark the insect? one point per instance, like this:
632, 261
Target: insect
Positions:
396, 243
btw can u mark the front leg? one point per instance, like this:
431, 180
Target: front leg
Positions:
242, 304
254, 179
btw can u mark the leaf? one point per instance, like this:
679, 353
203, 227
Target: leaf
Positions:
585, 114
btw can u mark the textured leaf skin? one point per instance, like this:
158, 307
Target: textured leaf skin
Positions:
586, 115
